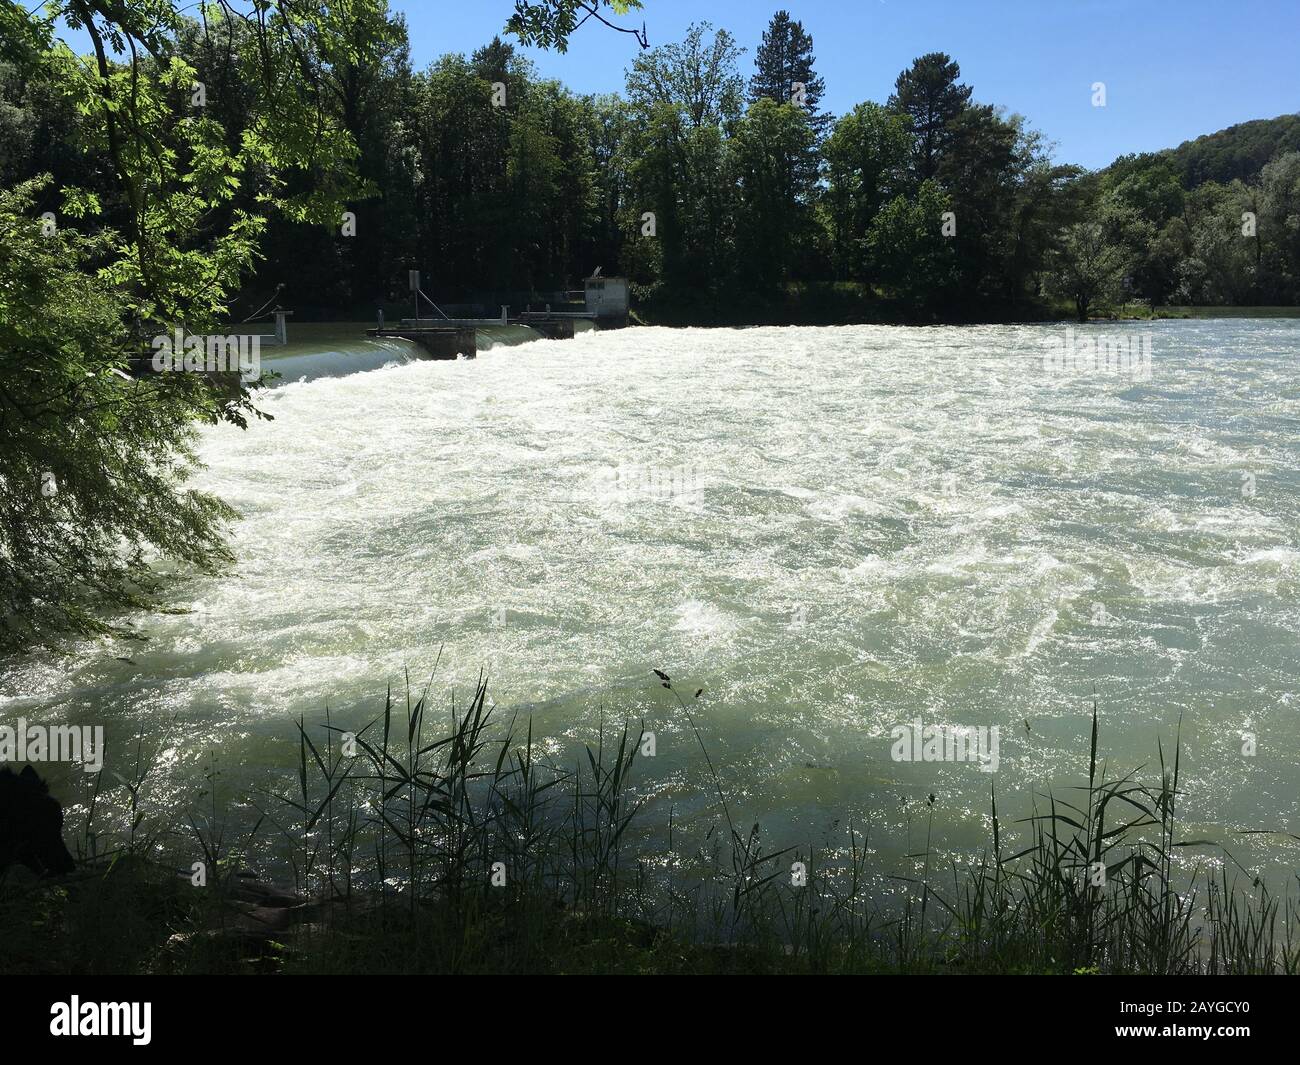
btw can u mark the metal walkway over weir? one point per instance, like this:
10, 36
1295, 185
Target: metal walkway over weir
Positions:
444, 337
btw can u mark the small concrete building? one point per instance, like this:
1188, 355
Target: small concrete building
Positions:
606, 297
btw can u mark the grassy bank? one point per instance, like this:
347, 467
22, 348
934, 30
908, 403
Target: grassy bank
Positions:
409, 849
1138, 310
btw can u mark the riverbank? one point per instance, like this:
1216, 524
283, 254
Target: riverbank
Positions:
852, 303
411, 850
841, 303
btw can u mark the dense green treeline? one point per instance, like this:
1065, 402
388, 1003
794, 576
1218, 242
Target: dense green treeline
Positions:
712, 191
1237, 153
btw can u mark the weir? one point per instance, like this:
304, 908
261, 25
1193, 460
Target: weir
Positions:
447, 338
605, 305
441, 342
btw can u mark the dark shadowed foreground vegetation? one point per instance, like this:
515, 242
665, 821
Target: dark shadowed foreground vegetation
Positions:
466, 853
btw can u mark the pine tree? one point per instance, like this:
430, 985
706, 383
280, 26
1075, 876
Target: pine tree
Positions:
785, 59
929, 94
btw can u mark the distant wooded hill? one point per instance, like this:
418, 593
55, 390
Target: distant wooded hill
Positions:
1236, 153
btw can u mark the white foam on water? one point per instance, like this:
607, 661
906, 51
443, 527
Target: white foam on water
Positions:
879, 521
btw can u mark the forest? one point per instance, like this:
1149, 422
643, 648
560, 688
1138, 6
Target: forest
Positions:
716, 182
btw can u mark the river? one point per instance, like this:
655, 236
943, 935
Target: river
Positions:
832, 531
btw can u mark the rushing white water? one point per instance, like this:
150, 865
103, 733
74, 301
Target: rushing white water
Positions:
832, 531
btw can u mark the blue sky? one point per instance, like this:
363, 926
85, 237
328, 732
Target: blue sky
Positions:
1173, 69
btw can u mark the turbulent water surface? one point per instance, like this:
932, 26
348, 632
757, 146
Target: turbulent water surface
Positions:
832, 531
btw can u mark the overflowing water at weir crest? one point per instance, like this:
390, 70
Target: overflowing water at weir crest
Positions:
841, 534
